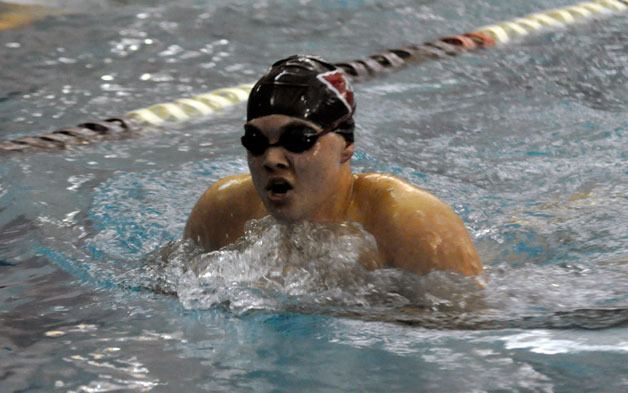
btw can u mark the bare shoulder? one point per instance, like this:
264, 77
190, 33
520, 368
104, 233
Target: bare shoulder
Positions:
219, 215
414, 229
378, 185
223, 189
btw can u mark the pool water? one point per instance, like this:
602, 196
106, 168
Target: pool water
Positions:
526, 141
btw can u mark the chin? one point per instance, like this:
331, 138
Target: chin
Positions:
283, 214
285, 219
287, 214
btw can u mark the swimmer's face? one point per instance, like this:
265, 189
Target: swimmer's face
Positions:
297, 186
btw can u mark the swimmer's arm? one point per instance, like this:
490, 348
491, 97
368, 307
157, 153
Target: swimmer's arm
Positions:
219, 216
420, 233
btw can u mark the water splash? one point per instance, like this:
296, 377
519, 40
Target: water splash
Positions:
305, 267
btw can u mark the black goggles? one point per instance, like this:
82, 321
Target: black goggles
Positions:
296, 138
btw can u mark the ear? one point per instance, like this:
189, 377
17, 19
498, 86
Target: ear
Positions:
347, 152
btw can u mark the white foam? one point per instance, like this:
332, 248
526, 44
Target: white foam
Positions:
548, 343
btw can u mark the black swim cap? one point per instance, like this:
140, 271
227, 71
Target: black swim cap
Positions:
306, 87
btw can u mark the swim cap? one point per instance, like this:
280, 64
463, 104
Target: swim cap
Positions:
306, 87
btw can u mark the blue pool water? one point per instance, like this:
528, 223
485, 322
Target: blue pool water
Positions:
527, 142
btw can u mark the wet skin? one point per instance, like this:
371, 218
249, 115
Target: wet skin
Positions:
414, 230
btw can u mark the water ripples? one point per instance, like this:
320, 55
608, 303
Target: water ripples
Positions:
526, 142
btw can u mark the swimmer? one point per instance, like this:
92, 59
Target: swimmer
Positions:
299, 142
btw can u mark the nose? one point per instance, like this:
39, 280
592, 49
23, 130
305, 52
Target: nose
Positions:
275, 158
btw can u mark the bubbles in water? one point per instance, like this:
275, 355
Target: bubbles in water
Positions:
310, 267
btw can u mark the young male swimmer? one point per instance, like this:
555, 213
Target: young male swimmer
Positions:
299, 142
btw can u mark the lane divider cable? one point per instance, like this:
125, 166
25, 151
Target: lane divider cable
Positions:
211, 103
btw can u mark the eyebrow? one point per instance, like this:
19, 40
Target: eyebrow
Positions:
298, 124
290, 125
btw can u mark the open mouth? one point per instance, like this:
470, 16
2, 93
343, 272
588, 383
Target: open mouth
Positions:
278, 186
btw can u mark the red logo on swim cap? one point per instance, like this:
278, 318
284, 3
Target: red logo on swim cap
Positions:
337, 81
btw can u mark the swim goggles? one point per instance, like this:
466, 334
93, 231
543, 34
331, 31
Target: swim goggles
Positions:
296, 138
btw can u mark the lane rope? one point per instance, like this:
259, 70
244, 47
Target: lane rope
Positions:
208, 104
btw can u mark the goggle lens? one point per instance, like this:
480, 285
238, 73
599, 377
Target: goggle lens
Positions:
298, 140
254, 141
294, 139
